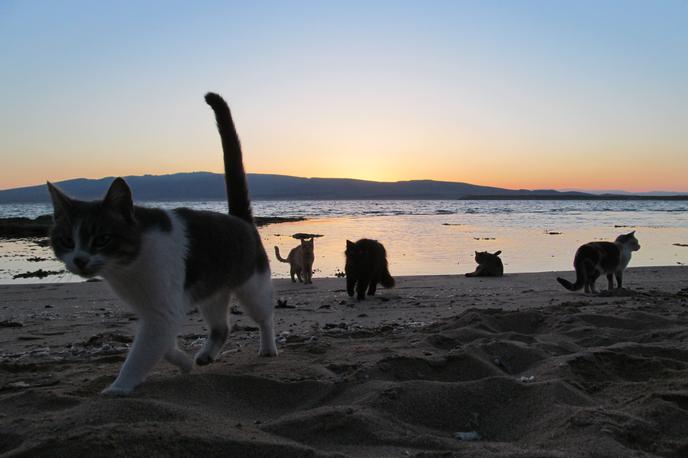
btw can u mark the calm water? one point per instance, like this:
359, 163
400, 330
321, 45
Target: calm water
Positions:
432, 237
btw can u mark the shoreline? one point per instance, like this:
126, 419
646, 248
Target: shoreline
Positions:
569, 274
532, 239
24, 228
429, 276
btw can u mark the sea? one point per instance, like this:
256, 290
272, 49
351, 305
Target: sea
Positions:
423, 237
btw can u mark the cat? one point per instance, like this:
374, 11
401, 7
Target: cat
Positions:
366, 266
489, 265
160, 261
596, 258
300, 261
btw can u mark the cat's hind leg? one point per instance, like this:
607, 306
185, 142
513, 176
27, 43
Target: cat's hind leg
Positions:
586, 273
361, 287
255, 295
477, 273
214, 311
610, 281
372, 288
180, 359
592, 279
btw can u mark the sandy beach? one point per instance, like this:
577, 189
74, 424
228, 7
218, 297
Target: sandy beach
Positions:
519, 363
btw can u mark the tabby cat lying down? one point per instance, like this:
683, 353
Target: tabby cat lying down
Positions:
489, 265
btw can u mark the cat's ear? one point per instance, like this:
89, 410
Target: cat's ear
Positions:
631, 234
118, 199
349, 244
497, 253
476, 252
62, 204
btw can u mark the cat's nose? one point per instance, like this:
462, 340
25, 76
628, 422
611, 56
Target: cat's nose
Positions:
80, 262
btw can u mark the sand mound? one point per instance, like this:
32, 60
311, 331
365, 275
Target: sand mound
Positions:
588, 378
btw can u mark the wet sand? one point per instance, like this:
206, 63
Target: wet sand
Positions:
529, 368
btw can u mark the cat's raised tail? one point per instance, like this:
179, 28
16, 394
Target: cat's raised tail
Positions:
279, 258
235, 176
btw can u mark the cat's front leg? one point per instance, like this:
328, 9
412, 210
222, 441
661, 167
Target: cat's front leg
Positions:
153, 341
180, 359
361, 287
619, 279
372, 288
350, 283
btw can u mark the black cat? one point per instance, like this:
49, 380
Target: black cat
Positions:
366, 266
489, 265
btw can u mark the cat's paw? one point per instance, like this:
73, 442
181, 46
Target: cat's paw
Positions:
269, 352
203, 359
116, 391
186, 367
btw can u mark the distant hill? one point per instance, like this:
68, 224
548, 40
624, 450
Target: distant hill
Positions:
210, 186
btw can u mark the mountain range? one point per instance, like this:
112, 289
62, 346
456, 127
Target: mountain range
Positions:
198, 186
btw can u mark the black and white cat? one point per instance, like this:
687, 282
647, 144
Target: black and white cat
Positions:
160, 262
596, 258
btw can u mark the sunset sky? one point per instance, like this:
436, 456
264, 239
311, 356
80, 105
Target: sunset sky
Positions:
522, 94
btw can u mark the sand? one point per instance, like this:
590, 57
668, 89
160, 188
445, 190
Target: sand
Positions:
529, 368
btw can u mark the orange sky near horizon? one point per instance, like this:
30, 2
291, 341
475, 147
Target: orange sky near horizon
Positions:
345, 147
542, 173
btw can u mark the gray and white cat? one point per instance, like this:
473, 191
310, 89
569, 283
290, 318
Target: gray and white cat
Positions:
160, 262
596, 258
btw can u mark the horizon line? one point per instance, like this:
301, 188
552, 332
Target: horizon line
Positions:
565, 189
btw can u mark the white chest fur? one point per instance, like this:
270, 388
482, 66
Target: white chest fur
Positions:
154, 282
625, 257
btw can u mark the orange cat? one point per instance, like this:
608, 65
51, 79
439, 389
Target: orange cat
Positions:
300, 260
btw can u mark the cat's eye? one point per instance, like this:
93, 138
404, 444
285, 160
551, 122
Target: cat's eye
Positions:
66, 242
101, 240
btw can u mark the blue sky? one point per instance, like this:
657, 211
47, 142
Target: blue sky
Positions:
585, 94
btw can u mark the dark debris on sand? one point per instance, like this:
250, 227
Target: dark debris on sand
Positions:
40, 273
